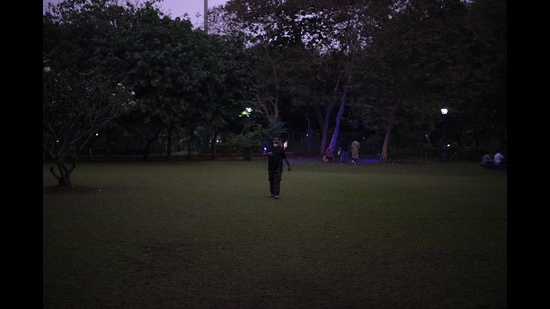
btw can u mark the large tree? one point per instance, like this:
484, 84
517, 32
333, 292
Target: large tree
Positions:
420, 60
80, 95
264, 21
164, 65
230, 85
75, 106
488, 20
309, 48
185, 78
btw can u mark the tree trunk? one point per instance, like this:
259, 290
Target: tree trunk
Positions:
391, 123
64, 176
324, 121
339, 117
169, 144
149, 143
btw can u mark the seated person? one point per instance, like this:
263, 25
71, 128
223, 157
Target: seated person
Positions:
329, 153
499, 158
486, 159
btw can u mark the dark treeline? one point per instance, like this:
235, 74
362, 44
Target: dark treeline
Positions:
126, 78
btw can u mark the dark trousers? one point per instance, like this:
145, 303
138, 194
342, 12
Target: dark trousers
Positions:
275, 177
343, 156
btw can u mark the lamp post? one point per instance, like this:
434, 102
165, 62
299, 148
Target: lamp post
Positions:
443, 151
206, 16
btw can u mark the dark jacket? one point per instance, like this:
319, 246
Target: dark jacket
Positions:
275, 161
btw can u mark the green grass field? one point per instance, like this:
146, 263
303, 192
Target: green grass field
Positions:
205, 234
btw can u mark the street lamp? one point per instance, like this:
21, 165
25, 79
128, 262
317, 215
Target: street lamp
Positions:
443, 151
206, 16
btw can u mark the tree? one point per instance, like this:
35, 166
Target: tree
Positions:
185, 78
420, 58
165, 69
80, 94
75, 106
295, 37
271, 26
230, 85
488, 20
347, 30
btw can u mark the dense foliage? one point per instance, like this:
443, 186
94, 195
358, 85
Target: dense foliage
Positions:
377, 70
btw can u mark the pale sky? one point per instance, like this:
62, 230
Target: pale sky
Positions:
176, 8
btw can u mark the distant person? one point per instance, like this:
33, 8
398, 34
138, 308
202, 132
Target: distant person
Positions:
499, 158
486, 159
275, 156
354, 150
329, 154
343, 150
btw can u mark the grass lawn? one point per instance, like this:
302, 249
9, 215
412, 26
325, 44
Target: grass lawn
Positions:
205, 234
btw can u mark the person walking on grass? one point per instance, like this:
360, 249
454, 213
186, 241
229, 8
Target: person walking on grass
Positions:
354, 150
275, 156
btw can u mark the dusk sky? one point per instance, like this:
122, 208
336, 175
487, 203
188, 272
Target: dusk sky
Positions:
176, 8
179, 7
